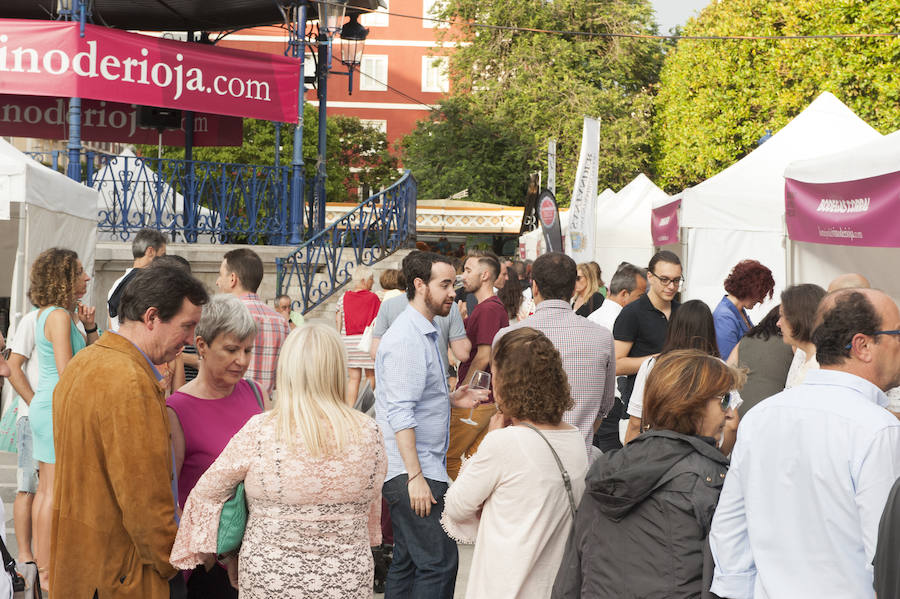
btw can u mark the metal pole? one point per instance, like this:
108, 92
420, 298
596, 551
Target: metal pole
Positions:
73, 170
323, 64
189, 200
298, 182
278, 143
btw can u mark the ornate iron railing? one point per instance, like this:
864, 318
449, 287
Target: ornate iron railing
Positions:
374, 229
189, 199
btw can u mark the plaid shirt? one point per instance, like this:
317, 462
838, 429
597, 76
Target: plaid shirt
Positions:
273, 330
588, 358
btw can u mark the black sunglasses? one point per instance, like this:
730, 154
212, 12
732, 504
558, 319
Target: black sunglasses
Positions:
875, 334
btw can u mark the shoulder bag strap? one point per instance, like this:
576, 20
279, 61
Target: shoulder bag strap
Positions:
567, 481
257, 394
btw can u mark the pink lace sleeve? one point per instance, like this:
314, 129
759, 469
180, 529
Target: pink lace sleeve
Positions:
380, 473
199, 527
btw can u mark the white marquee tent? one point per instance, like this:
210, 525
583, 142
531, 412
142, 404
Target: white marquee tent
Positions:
819, 263
622, 233
39, 209
739, 212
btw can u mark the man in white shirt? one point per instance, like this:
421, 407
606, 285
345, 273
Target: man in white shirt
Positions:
145, 247
628, 284
813, 465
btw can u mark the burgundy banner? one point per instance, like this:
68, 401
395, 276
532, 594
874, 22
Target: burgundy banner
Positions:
49, 58
862, 212
45, 118
664, 223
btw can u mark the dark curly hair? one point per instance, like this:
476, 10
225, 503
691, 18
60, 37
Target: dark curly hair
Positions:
768, 326
53, 277
749, 280
529, 379
840, 317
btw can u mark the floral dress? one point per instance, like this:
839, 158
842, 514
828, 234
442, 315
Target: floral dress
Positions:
311, 521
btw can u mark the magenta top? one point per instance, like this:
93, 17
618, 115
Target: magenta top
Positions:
208, 425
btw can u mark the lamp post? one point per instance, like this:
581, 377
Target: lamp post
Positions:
353, 36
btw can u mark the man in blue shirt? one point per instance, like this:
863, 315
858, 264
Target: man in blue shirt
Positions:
813, 465
412, 407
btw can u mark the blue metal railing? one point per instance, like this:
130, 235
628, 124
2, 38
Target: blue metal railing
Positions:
374, 229
189, 199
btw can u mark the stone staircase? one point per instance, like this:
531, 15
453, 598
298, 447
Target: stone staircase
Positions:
326, 309
8, 495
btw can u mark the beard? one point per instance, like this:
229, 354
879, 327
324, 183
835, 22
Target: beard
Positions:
435, 307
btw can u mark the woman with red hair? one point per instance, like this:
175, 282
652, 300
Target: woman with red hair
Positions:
748, 284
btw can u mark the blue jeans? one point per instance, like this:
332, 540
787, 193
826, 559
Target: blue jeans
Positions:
425, 558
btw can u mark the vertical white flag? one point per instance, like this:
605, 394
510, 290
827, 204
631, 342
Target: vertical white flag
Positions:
582, 218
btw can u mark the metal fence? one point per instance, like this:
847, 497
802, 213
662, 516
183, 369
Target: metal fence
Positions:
374, 229
191, 200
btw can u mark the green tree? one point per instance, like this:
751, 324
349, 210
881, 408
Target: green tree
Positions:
717, 98
356, 155
537, 86
459, 148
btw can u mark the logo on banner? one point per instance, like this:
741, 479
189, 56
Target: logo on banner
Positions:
548, 211
577, 241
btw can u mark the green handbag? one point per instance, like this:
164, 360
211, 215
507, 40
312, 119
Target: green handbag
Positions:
233, 520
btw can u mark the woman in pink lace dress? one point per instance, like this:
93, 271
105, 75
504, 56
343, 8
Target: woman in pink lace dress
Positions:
312, 471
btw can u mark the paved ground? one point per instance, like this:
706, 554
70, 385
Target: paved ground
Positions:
8, 495
462, 577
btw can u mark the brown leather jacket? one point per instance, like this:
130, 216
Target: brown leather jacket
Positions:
113, 513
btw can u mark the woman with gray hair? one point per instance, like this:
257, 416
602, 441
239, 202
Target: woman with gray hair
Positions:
356, 310
205, 413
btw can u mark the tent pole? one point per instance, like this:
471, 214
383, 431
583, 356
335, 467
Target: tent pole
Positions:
188, 196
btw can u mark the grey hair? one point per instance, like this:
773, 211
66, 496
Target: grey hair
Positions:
625, 278
362, 273
225, 314
147, 238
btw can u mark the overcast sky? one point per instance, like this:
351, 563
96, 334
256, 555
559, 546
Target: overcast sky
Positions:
675, 12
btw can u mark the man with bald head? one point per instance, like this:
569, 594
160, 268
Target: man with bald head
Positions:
849, 280
813, 465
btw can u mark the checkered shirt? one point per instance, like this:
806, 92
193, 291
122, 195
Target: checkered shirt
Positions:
272, 330
588, 359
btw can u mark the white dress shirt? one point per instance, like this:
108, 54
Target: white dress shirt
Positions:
809, 478
606, 314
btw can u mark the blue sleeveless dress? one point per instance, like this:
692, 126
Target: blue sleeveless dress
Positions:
40, 412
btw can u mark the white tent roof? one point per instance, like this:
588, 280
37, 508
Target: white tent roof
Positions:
749, 195
871, 159
46, 188
623, 219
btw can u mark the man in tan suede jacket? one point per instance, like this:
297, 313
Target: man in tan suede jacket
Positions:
114, 508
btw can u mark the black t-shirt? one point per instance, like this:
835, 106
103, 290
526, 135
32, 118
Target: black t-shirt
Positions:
645, 327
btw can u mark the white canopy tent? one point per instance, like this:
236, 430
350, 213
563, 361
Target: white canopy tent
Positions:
622, 233
39, 209
739, 213
820, 263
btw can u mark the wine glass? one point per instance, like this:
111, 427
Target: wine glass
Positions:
480, 380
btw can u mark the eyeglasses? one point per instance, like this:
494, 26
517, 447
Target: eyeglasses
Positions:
578, 277
875, 334
666, 281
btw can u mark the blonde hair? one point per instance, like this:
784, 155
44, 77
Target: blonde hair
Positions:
362, 273
310, 384
590, 279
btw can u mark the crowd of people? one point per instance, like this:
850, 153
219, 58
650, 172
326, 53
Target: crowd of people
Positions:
591, 440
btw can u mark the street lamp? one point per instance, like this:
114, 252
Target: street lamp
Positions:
353, 42
331, 15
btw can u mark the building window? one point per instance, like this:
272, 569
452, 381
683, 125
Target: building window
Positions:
378, 18
377, 124
373, 73
434, 75
429, 11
